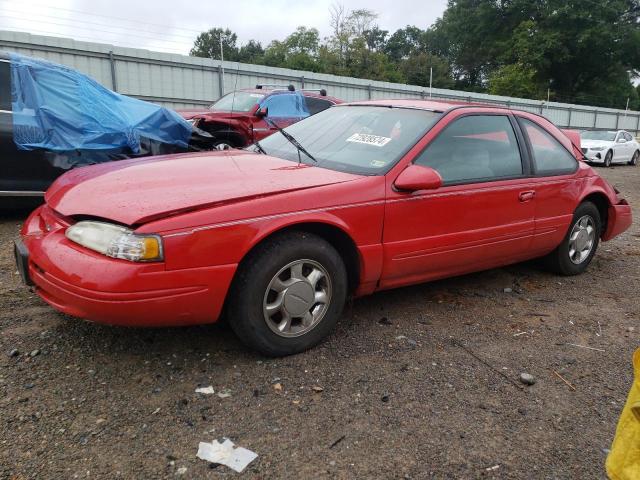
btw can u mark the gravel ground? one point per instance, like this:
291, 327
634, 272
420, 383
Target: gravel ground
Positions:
420, 382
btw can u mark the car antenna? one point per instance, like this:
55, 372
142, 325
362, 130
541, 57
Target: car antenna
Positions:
235, 87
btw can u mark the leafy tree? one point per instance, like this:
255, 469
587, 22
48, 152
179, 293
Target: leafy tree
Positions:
207, 44
298, 51
251, 52
583, 51
417, 71
405, 42
514, 80
375, 38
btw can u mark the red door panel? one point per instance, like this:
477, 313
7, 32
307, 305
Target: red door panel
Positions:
556, 199
455, 230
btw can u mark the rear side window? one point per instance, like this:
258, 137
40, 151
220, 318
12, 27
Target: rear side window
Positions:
474, 148
286, 105
549, 155
315, 105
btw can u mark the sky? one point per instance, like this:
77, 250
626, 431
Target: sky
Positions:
172, 25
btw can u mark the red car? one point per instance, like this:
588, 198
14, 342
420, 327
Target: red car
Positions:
359, 198
240, 118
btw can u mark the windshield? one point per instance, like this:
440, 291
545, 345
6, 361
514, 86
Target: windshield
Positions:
237, 102
365, 140
592, 135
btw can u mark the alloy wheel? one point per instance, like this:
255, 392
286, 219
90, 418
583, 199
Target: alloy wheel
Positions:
582, 239
297, 298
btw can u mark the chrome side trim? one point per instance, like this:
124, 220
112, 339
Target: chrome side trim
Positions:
20, 193
409, 198
4, 60
6, 111
271, 217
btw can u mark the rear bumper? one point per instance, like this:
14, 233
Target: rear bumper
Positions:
85, 284
619, 220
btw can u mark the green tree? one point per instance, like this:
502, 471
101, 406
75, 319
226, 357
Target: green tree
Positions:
298, 51
583, 49
417, 70
251, 52
514, 80
207, 44
405, 42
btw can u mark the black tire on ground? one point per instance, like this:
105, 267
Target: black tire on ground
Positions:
634, 158
607, 158
250, 288
559, 260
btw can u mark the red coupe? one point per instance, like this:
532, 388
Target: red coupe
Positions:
358, 198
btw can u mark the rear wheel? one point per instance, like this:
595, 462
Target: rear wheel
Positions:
634, 158
579, 246
288, 294
607, 158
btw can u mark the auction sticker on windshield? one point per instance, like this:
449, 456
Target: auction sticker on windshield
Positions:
368, 139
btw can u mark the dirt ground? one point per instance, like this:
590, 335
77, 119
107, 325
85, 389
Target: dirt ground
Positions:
420, 382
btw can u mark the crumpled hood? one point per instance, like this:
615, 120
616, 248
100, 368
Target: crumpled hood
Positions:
133, 192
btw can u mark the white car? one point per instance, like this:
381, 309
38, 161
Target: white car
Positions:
608, 147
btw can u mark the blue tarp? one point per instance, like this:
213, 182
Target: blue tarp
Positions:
61, 110
286, 105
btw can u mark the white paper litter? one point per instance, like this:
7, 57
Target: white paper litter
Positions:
205, 390
226, 453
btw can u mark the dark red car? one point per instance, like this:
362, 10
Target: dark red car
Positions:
242, 117
359, 198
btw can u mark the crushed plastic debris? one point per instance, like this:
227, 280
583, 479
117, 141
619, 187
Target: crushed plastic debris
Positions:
205, 390
224, 394
226, 453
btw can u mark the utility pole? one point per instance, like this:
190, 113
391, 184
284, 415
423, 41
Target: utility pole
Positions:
626, 109
430, 80
221, 67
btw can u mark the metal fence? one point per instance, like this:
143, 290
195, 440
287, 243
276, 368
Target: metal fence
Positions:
180, 81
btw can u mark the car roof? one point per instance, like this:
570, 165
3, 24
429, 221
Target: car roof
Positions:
307, 93
432, 105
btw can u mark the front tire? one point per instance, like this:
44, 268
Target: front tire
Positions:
579, 245
222, 145
608, 158
288, 294
634, 158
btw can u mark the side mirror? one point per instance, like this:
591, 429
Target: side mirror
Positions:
416, 177
622, 140
262, 112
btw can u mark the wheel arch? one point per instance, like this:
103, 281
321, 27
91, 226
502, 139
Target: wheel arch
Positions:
330, 232
602, 203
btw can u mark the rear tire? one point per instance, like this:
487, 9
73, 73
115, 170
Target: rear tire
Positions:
607, 158
288, 294
634, 158
579, 245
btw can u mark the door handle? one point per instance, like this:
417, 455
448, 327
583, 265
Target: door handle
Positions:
526, 196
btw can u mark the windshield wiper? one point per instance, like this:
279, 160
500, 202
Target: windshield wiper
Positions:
291, 140
259, 147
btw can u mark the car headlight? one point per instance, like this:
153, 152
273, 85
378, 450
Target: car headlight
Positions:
116, 241
597, 149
